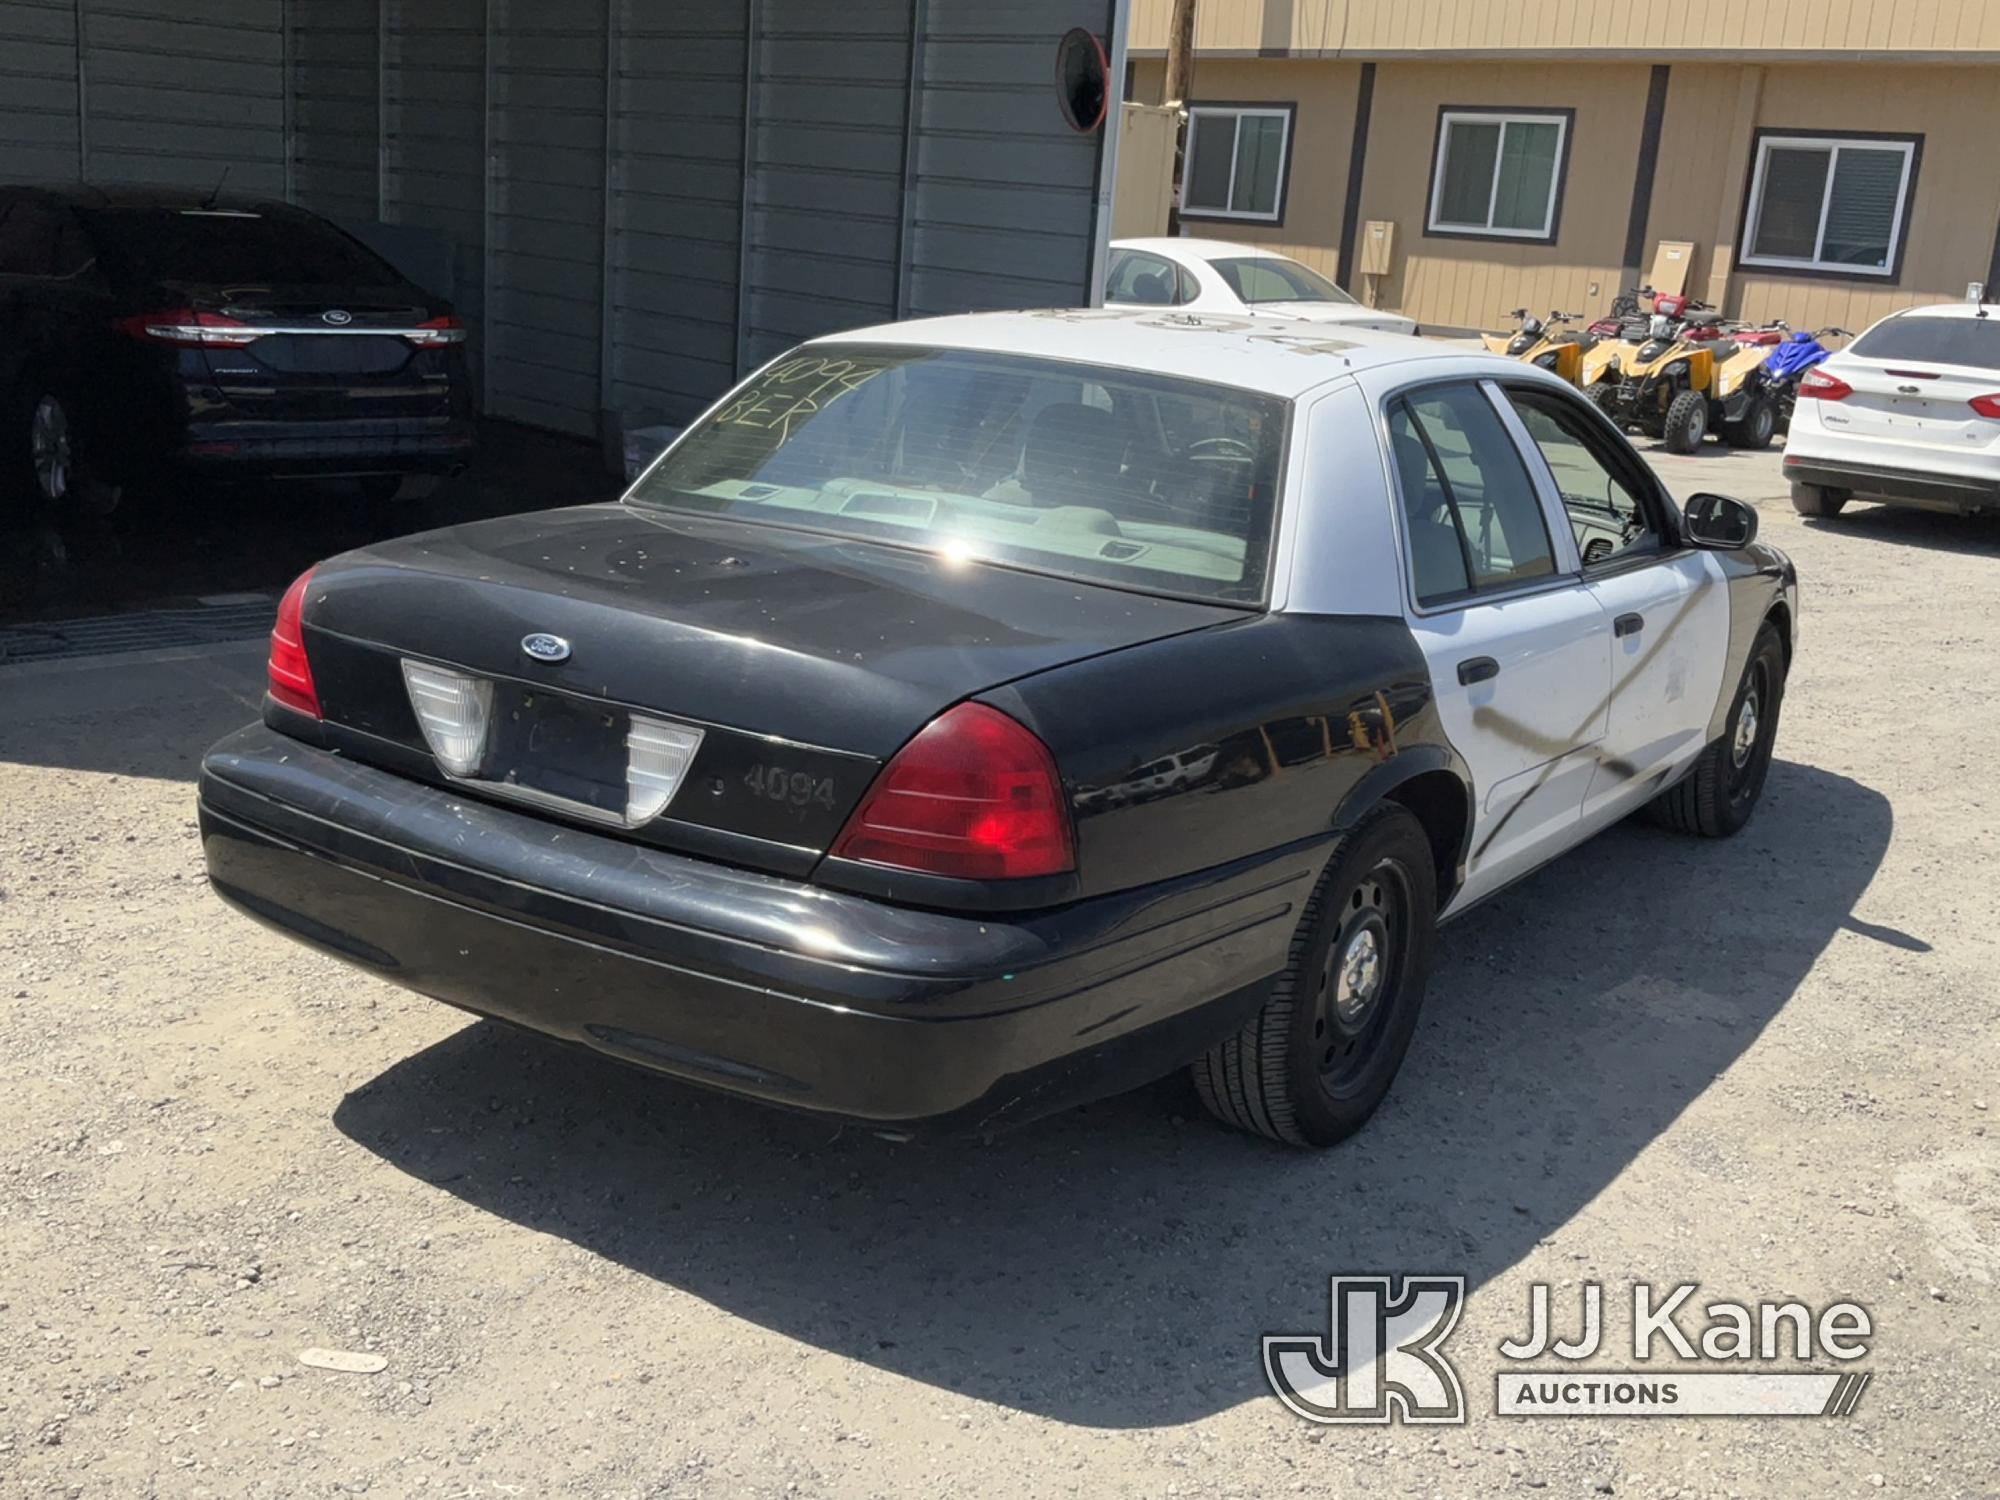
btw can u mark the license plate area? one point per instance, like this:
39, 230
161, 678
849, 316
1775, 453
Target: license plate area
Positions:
554, 746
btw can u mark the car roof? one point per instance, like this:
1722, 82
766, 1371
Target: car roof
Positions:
1944, 310
142, 195
1278, 356
1198, 249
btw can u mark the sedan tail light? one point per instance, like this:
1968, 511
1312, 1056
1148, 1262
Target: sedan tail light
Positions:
291, 677
1987, 406
974, 795
436, 333
188, 329
1817, 385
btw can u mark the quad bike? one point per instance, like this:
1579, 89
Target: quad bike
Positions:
1546, 344
1683, 379
1795, 352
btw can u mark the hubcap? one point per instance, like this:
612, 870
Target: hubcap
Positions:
1746, 731
1359, 975
48, 447
1357, 985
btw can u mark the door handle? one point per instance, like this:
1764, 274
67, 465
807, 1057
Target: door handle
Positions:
1477, 669
1630, 624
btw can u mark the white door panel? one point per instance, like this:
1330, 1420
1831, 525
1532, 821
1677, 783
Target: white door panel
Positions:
1529, 732
1665, 673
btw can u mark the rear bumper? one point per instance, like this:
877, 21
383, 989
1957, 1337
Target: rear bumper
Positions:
324, 450
771, 988
1928, 489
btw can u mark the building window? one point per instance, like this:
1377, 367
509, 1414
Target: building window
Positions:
1498, 173
1237, 157
1830, 204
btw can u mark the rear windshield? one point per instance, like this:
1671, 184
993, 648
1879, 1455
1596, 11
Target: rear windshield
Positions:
1973, 342
1265, 278
1125, 478
235, 248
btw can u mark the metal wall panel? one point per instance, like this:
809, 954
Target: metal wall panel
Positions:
544, 220
829, 95
1002, 208
178, 94
38, 103
676, 206
336, 106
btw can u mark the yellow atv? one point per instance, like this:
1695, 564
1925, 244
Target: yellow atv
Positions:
1682, 380
1544, 342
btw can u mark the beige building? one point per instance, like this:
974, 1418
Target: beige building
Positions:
1828, 160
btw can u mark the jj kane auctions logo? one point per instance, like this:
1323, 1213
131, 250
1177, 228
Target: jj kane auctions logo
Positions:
1381, 1358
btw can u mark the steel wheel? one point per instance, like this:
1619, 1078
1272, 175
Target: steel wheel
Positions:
1359, 977
49, 449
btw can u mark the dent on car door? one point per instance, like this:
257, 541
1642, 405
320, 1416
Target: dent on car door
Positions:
1517, 646
1667, 605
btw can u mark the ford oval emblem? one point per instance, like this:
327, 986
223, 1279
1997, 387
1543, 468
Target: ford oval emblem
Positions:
545, 647
338, 317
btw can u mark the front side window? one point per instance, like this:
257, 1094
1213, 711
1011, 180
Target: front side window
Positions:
1600, 496
1498, 172
1237, 156
1272, 278
1142, 280
1116, 476
1471, 518
1821, 203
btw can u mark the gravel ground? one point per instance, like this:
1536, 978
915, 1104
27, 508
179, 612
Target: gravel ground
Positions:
1766, 1065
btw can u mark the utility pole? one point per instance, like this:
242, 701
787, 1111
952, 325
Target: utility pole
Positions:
1179, 80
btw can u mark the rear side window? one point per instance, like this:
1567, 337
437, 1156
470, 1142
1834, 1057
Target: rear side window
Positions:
1972, 342
1140, 279
1471, 518
233, 247
27, 238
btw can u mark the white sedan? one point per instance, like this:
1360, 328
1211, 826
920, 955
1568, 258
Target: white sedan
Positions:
1909, 413
1215, 276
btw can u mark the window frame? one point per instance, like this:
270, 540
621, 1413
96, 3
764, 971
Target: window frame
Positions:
1566, 566
1288, 111
1563, 117
1761, 143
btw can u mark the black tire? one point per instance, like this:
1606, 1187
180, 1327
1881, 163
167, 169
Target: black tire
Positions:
60, 477
1818, 501
1311, 1067
1755, 428
1718, 796
1686, 423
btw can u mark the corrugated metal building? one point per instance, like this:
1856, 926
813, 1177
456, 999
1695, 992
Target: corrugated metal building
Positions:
1829, 160
632, 201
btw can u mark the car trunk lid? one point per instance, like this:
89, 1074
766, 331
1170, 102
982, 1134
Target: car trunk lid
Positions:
804, 660
1918, 402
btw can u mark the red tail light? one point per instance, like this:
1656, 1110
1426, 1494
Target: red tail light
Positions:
291, 675
1987, 406
189, 329
974, 795
1820, 386
437, 332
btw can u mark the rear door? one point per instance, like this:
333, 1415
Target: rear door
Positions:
1517, 646
1914, 378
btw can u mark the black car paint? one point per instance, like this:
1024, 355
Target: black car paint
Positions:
141, 407
771, 969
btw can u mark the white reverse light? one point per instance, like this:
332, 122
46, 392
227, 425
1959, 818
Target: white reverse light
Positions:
657, 756
453, 710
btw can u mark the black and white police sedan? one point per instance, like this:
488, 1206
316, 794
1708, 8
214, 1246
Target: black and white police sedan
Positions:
970, 717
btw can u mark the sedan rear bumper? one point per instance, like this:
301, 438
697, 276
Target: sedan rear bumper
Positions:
1928, 489
772, 988
325, 449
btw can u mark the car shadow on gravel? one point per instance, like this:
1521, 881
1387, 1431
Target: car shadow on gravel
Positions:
1116, 1265
1932, 531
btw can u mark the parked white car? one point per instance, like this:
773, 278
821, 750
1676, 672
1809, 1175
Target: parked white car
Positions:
1215, 276
1909, 414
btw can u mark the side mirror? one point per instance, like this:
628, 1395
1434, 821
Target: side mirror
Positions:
1720, 523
